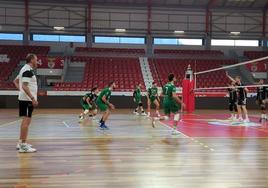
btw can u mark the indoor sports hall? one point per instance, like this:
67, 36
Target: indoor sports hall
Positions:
133, 93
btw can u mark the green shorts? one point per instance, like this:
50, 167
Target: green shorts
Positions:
102, 106
153, 98
138, 100
170, 106
86, 106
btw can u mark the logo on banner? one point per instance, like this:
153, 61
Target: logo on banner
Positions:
39, 62
51, 63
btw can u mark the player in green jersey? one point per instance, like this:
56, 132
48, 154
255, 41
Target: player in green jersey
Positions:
88, 103
137, 99
171, 103
104, 104
153, 98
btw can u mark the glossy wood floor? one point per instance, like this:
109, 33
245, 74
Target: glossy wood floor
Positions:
132, 154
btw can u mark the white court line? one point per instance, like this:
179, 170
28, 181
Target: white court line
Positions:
174, 129
9, 123
65, 124
16, 121
186, 136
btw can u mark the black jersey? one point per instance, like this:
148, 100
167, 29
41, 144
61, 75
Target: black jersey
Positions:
232, 94
241, 92
262, 93
92, 98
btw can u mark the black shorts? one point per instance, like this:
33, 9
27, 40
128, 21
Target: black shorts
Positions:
242, 102
25, 108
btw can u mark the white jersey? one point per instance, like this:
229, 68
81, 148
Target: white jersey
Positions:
26, 74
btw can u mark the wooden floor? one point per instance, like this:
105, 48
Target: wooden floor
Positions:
132, 154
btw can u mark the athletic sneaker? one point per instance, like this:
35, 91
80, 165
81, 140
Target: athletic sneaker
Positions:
174, 132
24, 148
246, 121
240, 119
81, 118
18, 145
103, 127
136, 113
143, 114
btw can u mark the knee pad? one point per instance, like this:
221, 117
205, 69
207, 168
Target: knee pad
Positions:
95, 111
176, 117
140, 104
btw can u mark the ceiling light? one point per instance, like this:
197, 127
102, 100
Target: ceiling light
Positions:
179, 32
120, 30
58, 28
235, 33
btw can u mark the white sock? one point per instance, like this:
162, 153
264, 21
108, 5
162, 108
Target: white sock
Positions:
265, 116
262, 116
246, 116
240, 117
149, 113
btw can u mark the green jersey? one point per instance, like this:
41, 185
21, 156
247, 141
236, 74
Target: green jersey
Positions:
105, 92
170, 105
153, 92
168, 90
137, 95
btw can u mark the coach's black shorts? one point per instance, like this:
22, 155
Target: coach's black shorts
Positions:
242, 102
26, 108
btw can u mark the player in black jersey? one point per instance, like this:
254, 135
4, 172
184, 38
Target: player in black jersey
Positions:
232, 101
262, 99
241, 98
88, 103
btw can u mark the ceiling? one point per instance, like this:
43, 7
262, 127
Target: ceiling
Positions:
221, 4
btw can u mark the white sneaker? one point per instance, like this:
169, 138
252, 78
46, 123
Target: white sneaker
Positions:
235, 119
143, 114
246, 121
240, 119
136, 113
174, 132
24, 148
18, 145
81, 118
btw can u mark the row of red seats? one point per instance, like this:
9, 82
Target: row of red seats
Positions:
126, 72
255, 54
113, 50
17, 53
7, 86
161, 68
189, 52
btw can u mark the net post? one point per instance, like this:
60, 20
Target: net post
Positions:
188, 95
